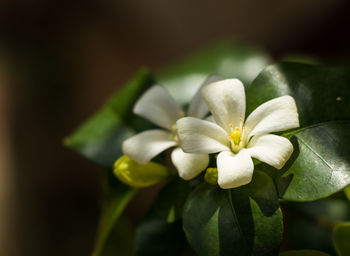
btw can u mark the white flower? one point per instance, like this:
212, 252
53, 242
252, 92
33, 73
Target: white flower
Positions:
159, 107
236, 140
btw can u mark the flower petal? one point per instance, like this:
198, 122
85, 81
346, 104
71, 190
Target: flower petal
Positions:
271, 149
189, 165
146, 145
200, 136
278, 114
197, 107
159, 107
226, 102
234, 170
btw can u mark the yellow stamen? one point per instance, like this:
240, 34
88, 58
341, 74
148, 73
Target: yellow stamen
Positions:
236, 136
173, 127
181, 114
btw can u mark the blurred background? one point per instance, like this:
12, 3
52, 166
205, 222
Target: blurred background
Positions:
60, 61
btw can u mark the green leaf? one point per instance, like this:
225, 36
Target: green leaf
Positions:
341, 237
99, 139
321, 93
347, 192
310, 224
171, 200
157, 237
303, 253
226, 58
320, 164
115, 200
123, 101
242, 221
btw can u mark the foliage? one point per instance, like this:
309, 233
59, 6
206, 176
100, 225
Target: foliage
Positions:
245, 220
341, 238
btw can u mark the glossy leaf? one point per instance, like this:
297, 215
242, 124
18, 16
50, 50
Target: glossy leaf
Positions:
171, 200
116, 198
320, 164
341, 237
226, 59
157, 237
242, 221
304, 253
99, 139
321, 93
347, 192
310, 224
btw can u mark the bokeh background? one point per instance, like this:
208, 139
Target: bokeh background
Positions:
60, 61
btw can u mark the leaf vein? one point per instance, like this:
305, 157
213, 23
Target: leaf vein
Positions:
236, 219
322, 159
314, 152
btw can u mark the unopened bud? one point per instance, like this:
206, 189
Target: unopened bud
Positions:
139, 175
211, 176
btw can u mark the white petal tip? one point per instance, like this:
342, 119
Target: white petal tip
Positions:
234, 170
271, 149
189, 165
234, 184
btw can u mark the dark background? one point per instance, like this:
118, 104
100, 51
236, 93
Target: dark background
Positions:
59, 62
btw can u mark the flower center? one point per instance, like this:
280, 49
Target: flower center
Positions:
173, 128
236, 137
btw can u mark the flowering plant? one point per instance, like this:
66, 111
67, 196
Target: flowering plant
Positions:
224, 178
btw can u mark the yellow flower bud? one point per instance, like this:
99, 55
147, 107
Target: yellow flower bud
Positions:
211, 176
139, 175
